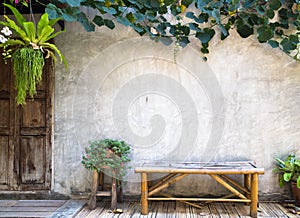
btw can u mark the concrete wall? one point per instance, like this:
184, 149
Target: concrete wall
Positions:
242, 104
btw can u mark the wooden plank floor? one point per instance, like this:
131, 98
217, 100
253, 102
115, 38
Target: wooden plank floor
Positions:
29, 208
171, 209
40, 208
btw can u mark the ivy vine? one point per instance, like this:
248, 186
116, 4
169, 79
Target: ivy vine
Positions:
275, 22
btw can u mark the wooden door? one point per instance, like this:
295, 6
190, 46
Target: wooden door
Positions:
25, 134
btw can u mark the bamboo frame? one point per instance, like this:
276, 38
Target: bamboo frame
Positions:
161, 181
254, 195
217, 171
144, 193
183, 201
237, 185
167, 184
199, 199
229, 187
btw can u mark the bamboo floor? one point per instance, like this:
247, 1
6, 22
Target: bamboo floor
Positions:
172, 209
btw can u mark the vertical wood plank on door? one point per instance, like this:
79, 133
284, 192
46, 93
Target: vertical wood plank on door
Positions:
6, 125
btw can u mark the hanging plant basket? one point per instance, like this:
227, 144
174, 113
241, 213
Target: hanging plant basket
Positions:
28, 66
28, 45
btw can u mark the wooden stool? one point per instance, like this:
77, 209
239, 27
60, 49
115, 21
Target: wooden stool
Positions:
98, 183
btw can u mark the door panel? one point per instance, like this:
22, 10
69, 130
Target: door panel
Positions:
6, 125
4, 145
33, 115
25, 133
32, 168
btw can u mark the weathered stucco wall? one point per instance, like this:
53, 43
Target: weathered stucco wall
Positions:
242, 104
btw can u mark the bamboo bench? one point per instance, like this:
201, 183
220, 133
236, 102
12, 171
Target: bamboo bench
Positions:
246, 192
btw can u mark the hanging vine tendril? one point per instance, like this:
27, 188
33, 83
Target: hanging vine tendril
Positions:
28, 68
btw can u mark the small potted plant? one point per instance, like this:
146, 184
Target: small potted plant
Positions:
289, 171
107, 155
28, 45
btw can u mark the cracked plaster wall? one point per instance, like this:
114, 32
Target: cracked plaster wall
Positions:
242, 104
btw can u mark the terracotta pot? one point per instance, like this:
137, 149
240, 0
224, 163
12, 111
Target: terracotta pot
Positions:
296, 193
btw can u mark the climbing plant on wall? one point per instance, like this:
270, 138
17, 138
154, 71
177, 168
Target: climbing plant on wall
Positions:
275, 22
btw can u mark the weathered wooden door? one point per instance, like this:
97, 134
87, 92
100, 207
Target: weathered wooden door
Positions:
25, 134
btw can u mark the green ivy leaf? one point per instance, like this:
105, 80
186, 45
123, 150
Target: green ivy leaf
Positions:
260, 9
287, 45
98, 20
249, 3
206, 35
109, 23
89, 27
139, 17
224, 30
194, 26
264, 33
139, 29
109, 10
166, 40
294, 39
204, 49
216, 14
273, 43
274, 4
202, 18
184, 41
270, 14
69, 17
53, 11
190, 15
130, 17
124, 21
244, 30
72, 3
185, 30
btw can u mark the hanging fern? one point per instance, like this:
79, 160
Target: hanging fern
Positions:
25, 42
28, 66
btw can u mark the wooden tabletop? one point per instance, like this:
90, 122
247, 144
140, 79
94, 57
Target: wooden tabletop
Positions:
238, 167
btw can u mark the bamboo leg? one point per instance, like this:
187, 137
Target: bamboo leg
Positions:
254, 195
247, 184
92, 200
144, 193
113, 193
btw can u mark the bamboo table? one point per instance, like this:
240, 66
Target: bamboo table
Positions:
247, 192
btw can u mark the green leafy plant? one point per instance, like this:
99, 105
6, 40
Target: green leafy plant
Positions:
28, 46
288, 169
107, 155
275, 22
